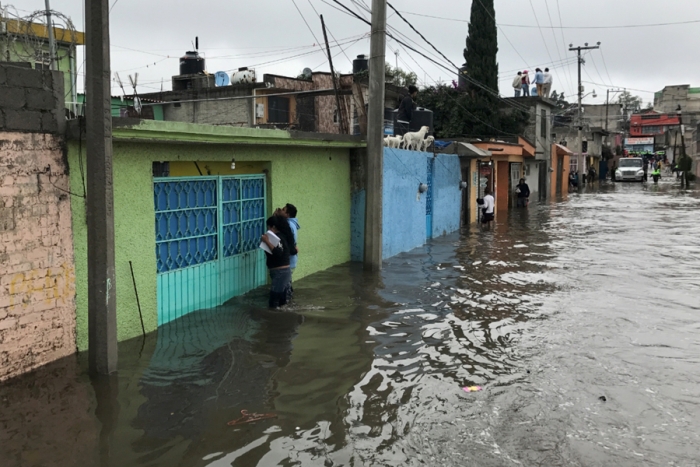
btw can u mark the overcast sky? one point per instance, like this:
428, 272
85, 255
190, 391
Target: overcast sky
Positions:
148, 37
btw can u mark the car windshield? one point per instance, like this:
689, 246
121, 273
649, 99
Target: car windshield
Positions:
630, 163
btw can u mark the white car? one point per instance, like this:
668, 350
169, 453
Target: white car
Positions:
630, 169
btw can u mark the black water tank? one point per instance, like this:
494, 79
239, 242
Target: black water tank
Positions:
191, 64
420, 118
462, 83
360, 64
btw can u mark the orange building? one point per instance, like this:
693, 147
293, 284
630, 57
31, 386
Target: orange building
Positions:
560, 164
503, 169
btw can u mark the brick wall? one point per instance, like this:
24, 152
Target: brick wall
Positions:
37, 298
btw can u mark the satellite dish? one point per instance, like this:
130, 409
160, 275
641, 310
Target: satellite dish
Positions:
307, 73
222, 78
137, 105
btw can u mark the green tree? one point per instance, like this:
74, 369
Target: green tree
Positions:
560, 100
400, 77
630, 103
453, 117
482, 68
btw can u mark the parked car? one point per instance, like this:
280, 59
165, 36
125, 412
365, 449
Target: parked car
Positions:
630, 169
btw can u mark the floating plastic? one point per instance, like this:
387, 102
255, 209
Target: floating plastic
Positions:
247, 417
472, 389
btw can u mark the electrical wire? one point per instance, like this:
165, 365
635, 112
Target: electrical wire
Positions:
540, 29
306, 22
554, 34
329, 30
625, 26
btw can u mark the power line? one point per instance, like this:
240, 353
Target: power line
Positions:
541, 33
625, 87
606, 66
554, 34
329, 31
563, 41
421, 35
306, 22
624, 26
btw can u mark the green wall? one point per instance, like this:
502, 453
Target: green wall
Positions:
315, 179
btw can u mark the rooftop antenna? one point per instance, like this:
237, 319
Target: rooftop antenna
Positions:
116, 76
137, 102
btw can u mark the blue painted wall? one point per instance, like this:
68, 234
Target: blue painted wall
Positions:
447, 197
404, 211
404, 220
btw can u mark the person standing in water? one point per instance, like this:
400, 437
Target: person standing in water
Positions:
277, 259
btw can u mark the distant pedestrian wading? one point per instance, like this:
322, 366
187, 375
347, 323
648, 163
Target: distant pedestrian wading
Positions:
487, 205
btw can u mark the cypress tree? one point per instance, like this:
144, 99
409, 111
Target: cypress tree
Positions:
482, 67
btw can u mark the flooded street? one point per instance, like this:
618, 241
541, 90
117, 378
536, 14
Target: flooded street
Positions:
579, 319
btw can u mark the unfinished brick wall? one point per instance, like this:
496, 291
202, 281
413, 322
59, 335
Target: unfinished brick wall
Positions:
37, 292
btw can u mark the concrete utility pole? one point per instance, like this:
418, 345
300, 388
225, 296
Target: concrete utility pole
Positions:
52, 40
102, 310
607, 103
579, 159
375, 136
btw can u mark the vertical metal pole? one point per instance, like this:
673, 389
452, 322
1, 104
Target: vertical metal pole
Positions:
102, 317
375, 133
607, 103
341, 118
579, 159
52, 40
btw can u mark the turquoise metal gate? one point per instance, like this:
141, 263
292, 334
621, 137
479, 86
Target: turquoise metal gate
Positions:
207, 235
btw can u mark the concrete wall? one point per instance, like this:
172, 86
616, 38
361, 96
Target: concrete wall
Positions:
315, 179
404, 209
37, 321
447, 196
215, 106
31, 100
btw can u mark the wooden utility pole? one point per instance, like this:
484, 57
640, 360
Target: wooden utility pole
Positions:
579, 159
375, 136
336, 85
102, 310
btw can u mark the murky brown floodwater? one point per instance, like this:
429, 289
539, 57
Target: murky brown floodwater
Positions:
561, 304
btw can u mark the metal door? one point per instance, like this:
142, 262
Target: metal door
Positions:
516, 170
560, 175
207, 236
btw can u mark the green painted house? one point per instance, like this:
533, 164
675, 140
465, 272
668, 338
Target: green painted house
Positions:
190, 204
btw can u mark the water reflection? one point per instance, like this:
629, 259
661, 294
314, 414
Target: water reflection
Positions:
558, 305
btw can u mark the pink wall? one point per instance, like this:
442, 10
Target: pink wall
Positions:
37, 280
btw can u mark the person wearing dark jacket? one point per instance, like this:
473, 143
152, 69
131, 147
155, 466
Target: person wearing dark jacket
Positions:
523, 192
408, 105
278, 259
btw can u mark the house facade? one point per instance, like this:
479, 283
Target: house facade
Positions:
190, 204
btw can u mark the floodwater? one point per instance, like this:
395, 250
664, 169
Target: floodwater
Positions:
562, 304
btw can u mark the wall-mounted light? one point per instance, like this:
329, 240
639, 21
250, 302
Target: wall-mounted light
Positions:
233, 164
462, 185
422, 188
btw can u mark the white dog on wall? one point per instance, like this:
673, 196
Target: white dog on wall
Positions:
426, 143
414, 141
393, 141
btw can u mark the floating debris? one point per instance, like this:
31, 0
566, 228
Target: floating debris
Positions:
472, 389
251, 418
